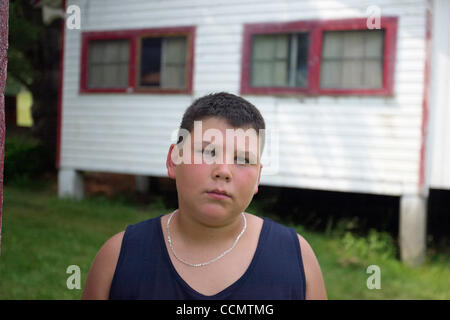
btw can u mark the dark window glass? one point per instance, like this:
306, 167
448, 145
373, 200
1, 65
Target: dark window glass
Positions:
151, 62
163, 62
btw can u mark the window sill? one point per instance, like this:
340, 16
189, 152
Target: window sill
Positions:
325, 92
136, 91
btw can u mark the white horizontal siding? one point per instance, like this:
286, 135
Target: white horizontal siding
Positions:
345, 185
104, 14
346, 143
438, 160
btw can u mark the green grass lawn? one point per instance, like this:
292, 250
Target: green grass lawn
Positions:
43, 235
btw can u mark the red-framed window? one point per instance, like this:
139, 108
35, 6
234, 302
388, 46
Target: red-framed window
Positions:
336, 57
138, 61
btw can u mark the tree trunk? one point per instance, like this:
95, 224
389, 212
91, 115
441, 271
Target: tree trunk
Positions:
4, 5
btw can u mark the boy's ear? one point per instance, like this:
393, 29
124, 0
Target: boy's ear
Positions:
172, 160
259, 178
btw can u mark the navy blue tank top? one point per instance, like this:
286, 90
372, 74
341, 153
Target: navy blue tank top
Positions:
144, 269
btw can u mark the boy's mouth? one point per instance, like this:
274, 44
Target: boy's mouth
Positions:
218, 194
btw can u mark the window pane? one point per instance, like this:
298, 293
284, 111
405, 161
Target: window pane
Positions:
95, 77
124, 52
352, 59
175, 50
279, 60
163, 62
173, 77
372, 74
374, 44
95, 51
123, 75
173, 72
301, 79
332, 45
110, 73
279, 74
150, 68
262, 74
111, 52
352, 74
263, 47
108, 64
281, 47
330, 74
353, 44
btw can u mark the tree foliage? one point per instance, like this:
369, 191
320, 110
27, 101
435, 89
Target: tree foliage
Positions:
25, 26
33, 61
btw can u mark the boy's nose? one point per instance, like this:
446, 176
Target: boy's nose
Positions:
222, 171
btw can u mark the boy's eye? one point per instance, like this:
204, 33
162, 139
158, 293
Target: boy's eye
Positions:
241, 160
209, 152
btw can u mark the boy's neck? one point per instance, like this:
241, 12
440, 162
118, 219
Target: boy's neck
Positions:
194, 232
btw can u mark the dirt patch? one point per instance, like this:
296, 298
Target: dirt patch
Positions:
109, 184
112, 185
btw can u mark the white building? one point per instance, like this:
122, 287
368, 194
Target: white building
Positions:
358, 91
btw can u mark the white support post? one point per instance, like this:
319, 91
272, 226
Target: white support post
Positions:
413, 229
70, 184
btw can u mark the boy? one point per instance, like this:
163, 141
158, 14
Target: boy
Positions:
209, 248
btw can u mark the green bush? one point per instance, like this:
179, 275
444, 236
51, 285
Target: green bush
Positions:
25, 158
376, 245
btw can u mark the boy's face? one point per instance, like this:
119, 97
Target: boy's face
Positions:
216, 158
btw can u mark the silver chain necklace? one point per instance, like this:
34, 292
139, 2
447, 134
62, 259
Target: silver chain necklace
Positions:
210, 261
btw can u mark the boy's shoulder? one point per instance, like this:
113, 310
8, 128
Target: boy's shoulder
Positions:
305, 247
112, 247
144, 223
143, 229
280, 227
